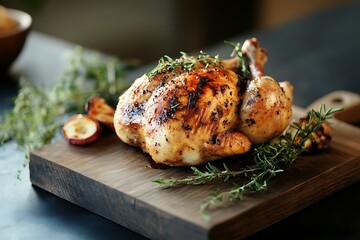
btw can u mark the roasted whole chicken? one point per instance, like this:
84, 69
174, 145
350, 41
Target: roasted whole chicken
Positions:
196, 109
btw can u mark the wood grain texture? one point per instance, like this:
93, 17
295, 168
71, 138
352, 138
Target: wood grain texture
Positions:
114, 180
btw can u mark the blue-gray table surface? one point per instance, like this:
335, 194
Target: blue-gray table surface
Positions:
317, 54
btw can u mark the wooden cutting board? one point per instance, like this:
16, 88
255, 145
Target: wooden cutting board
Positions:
114, 180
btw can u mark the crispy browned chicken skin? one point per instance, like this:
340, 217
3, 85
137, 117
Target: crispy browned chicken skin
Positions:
183, 117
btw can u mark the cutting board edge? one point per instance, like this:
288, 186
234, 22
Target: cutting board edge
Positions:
198, 232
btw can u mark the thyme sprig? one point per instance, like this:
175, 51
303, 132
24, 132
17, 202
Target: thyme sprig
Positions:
39, 111
242, 63
268, 161
201, 177
185, 62
188, 63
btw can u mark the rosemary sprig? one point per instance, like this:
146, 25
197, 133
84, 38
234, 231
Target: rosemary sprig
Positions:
39, 111
266, 164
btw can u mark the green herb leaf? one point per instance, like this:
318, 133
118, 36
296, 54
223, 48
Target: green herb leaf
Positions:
242, 63
184, 63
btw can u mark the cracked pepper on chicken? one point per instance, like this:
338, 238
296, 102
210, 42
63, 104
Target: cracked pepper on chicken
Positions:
193, 110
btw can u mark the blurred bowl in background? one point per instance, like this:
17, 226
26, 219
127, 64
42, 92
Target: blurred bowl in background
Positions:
12, 40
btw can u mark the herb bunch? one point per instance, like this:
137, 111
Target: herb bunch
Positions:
188, 63
185, 62
268, 160
39, 111
242, 63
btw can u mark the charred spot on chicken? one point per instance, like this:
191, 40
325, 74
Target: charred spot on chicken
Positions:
192, 110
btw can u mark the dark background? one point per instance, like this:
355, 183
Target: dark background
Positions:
147, 30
